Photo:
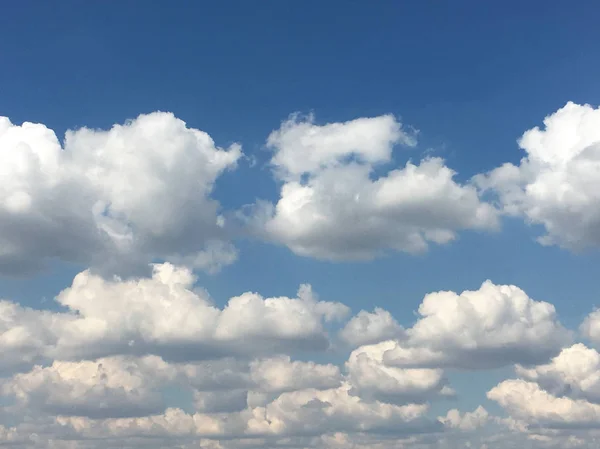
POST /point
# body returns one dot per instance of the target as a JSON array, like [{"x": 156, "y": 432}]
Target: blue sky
[{"x": 470, "y": 76}]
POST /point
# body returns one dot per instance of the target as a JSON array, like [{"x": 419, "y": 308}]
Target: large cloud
[
  {"x": 494, "y": 326},
  {"x": 575, "y": 372},
  {"x": 556, "y": 184},
  {"x": 112, "y": 387},
  {"x": 333, "y": 206},
  {"x": 529, "y": 402},
  {"x": 371, "y": 327},
  {"x": 371, "y": 378},
  {"x": 302, "y": 412},
  {"x": 115, "y": 199},
  {"x": 153, "y": 362},
  {"x": 163, "y": 315}
]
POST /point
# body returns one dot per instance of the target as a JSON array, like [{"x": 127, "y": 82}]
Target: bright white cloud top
[
  {"x": 115, "y": 199},
  {"x": 556, "y": 184},
  {"x": 148, "y": 359},
  {"x": 333, "y": 206}
]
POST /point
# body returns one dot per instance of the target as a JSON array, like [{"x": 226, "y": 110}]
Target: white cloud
[
  {"x": 115, "y": 199},
  {"x": 590, "y": 328},
  {"x": 25, "y": 335},
  {"x": 300, "y": 146},
  {"x": 371, "y": 327},
  {"x": 303, "y": 412},
  {"x": 333, "y": 206},
  {"x": 467, "y": 421},
  {"x": 162, "y": 336},
  {"x": 281, "y": 374},
  {"x": 575, "y": 373},
  {"x": 110, "y": 387},
  {"x": 529, "y": 402},
  {"x": 371, "y": 378},
  {"x": 494, "y": 326},
  {"x": 163, "y": 315},
  {"x": 556, "y": 184}
]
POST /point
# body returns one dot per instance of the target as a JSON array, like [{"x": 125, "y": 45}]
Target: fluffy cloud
[
  {"x": 529, "y": 402},
  {"x": 115, "y": 199},
  {"x": 575, "y": 372},
  {"x": 145, "y": 362},
  {"x": 466, "y": 421},
  {"x": 590, "y": 328},
  {"x": 556, "y": 184},
  {"x": 112, "y": 387},
  {"x": 164, "y": 315},
  {"x": 303, "y": 412},
  {"x": 491, "y": 327},
  {"x": 333, "y": 206},
  {"x": 25, "y": 335},
  {"x": 371, "y": 327},
  {"x": 371, "y": 378}
]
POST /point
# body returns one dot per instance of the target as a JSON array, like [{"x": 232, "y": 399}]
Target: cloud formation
[
  {"x": 149, "y": 359},
  {"x": 164, "y": 315},
  {"x": 556, "y": 183},
  {"x": 112, "y": 199},
  {"x": 109, "y": 362},
  {"x": 494, "y": 326},
  {"x": 334, "y": 206}
]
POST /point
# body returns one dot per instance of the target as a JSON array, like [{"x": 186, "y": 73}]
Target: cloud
[
  {"x": 371, "y": 378},
  {"x": 25, "y": 335},
  {"x": 281, "y": 374},
  {"x": 110, "y": 387},
  {"x": 494, "y": 326},
  {"x": 334, "y": 206},
  {"x": 371, "y": 327},
  {"x": 556, "y": 184},
  {"x": 575, "y": 373},
  {"x": 113, "y": 199},
  {"x": 467, "y": 421},
  {"x": 300, "y": 413},
  {"x": 529, "y": 402},
  {"x": 154, "y": 362},
  {"x": 164, "y": 315},
  {"x": 590, "y": 328}
]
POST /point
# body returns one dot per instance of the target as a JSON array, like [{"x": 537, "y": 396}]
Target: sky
[{"x": 336, "y": 224}]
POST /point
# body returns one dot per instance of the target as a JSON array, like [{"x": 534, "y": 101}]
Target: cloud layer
[
  {"x": 135, "y": 354},
  {"x": 144, "y": 361}
]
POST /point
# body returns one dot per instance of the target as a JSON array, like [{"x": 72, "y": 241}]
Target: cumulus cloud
[
  {"x": 302, "y": 412},
  {"x": 371, "y": 378},
  {"x": 164, "y": 315},
  {"x": 575, "y": 373},
  {"x": 114, "y": 364},
  {"x": 371, "y": 327},
  {"x": 111, "y": 387},
  {"x": 556, "y": 184},
  {"x": 466, "y": 421},
  {"x": 25, "y": 335},
  {"x": 334, "y": 206},
  {"x": 590, "y": 328},
  {"x": 527, "y": 401},
  {"x": 494, "y": 326},
  {"x": 114, "y": 199}
]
